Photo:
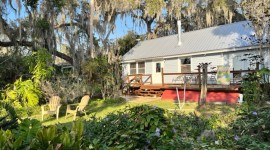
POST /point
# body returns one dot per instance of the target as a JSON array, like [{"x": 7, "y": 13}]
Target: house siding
[
  {"x": 148, "y": 70},
  {"x": 171, "y": 66},
  {"x": 125, "y": 69},
  {"x": 215, "y": 59},
  {"x": 148, "y": 67},
  {"x": 235, "y": 59}
]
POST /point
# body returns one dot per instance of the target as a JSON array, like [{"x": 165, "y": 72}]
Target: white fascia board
[
  {"x": 194, "y": 54},
  {"x": 213, "y": 52},
  {"x": 142, "y": 59},
  {"x": 128, "y": 61}
]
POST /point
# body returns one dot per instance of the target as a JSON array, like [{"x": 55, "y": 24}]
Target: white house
[{"x": 220, "y": 45}]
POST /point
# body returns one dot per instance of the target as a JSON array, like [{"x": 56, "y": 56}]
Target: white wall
[
  {"x": 148, "y": 67},
  {"x": 171, "y": 66},
  {"x": 235, "y": 60},
  {"x": 125, "y": 69},
  {"x": 215, "y": 59},
  {"x": 148, "y": 70}
]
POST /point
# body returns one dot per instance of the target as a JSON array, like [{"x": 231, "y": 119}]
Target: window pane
[
  {"x": 185, "y": 65},
  {"x": 132, "y": 68},
  {"x": 141, "y": 70},
  {"x": 132, "y": 65},
  {"x": 141, "y": 65},
  {"x": 133, "y": 71},
  {"x": 185, "y": 61},
  {"x": 185, "y": 69},
  {"x": 158, "y": 67}
]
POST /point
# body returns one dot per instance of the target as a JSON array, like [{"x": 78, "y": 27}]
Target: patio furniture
[
  {"x": 80, "y": 107},
  {"x": 54, "y": 106}
]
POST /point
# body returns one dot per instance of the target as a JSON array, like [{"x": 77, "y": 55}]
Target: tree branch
[
  {"x": 20, "y": 43},
  {"x": 30, "y": 44},
  {"x": 63, "y": 56},
  {"x": 66, "y": 25},
  {"x": 6, "y": 28}
]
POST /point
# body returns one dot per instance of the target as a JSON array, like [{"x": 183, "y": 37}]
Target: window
[
  {"x": 141, "y": 67},
  {"x": 185, "y": 65},
  {"x": 132, "y": 68},
  {"x": 158, "y": 67}
]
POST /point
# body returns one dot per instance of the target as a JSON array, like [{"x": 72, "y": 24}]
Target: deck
[{"x": 142, "y": 84}]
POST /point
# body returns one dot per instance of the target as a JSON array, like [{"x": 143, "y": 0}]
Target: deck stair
[{"x": 149, "y": 90}]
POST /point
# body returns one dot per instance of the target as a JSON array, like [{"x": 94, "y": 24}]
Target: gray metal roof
[{"x": 229, "y": 36}]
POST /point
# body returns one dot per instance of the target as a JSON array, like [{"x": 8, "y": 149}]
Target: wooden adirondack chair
[
  {"x": 54, "y": 106},
  {"x": 80, "y": 107}
]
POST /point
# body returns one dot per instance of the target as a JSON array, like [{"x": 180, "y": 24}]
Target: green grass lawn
[{"x": 100, "y": 109}]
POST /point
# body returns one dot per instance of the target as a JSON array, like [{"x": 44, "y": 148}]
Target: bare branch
[
  {"x": 20, "y": 43},
  {"x": 66, "y": 25}
]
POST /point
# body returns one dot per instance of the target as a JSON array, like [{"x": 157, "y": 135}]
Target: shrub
[
  {"x": 252, "y": 129},
  {"x": 135, "y": 128},
  {"x": 31, "y": 135},
  {"x": 256, "y": 88}
]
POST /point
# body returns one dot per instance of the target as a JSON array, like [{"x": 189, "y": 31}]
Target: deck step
[{"x": 149, "y": 92}]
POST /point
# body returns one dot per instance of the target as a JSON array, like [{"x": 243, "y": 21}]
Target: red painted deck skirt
[{"x": 228, "y": 97}]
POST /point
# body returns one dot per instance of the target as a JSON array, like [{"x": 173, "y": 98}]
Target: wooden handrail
[
  {"x": 179, "y": 73},
  {"x": 138, "y": 78},
  {"x": 198, "y": 79},
  {"x": 232, "y": 71}
]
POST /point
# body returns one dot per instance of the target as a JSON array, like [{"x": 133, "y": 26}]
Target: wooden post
[
  {"x": 199, "y": 76},
  {"x": 141, "y": 82},
  {"x": 162, "y": 76},
  {"x": 128, "y": 79},
  {"x": 151, "y": 79},
  {"x": 203, "y": 94},
  {"x": 234, "y": 75}
]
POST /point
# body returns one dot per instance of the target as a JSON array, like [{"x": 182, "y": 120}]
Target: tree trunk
[{"x": 91, "y": 17}]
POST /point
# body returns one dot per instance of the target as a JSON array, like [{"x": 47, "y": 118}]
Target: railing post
[
  {"x": 199, "y": 76},
  {"x": 141, "y": 79},
  {"x": 128, "y": 79},
  {"x": 162, "y": 76},
  {"x": 233, "y": 76},
  {"x": 151, "y": 79}
]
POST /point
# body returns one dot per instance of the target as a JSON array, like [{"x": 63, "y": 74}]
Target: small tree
[{"x": 100, "y": 75}]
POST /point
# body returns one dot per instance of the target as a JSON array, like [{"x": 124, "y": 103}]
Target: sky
[
  {"x": 125, "y": 25},
  {"x": 122, "y": 25}
]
